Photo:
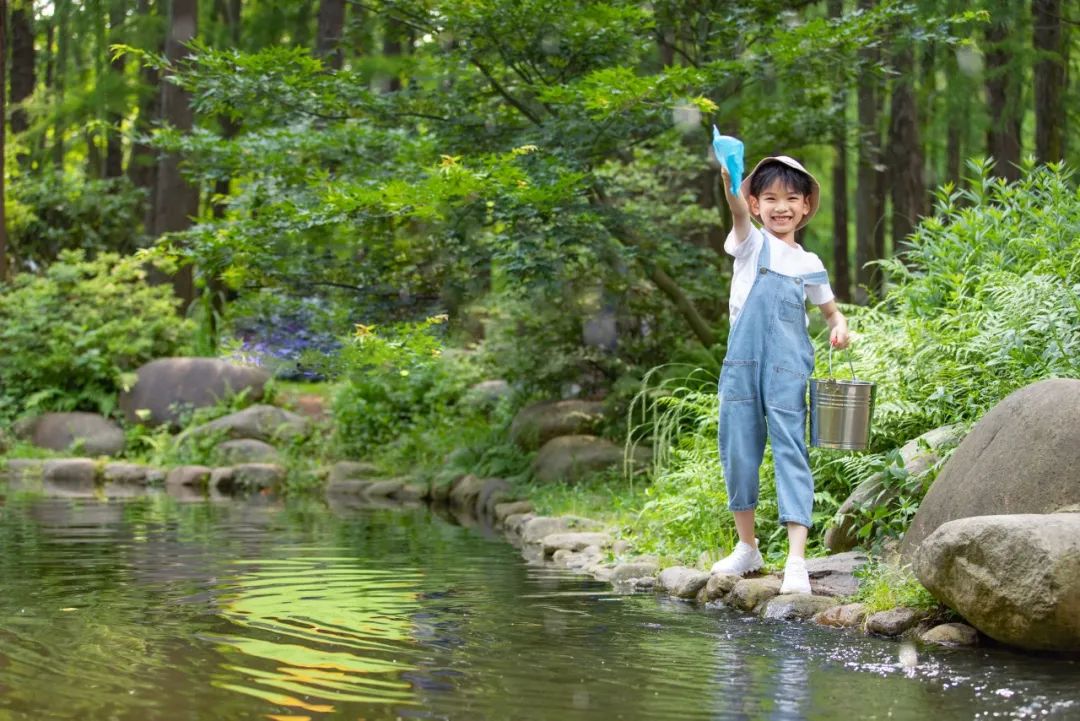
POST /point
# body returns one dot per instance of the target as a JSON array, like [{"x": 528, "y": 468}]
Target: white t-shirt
[{"x": 783, "y": 259}]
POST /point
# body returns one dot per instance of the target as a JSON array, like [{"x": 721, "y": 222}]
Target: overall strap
[
  {"x": 763, "y": 254},
  {"x": 818, "y": 278}
]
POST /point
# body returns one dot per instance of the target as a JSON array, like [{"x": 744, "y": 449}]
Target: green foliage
[
  {"x": 884, "y": 586},
  {"x": 73, "y": 336},
  {"x": 55, "y": 211},
  {"x": 390, "y": 379}
]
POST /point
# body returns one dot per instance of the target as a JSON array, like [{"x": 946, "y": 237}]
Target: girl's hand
[
  {"x": 839, "y": 337},
  {"x": 735, "y": 202}
]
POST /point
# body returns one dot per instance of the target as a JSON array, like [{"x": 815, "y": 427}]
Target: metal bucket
[{"x": 840, "y": 411}]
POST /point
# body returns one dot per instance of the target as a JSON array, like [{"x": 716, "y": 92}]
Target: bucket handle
[{"x": 850, "y": 364}]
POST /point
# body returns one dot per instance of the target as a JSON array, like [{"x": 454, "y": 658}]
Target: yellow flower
[
  {"x": 447, "y": 161},
  {"x": 363, "y": 331},
  {"x": 440, "y": 318}
]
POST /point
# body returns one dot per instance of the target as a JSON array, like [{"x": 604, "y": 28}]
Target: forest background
[{"x": 320, "y": 184}]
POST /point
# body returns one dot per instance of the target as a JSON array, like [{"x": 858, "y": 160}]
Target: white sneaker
[
  {"x": 743, "y": 559},
  {"x": 796, "y": 579}
]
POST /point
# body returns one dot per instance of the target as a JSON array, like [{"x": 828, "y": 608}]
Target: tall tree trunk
[
  {"x": 22, "y": 64},
  {"x": 905, "y": 150},
  {"x": 114, "y": 148},
  {"x": 1003, "y": 98},
  {"x": 3, "y": 139},
  {"x": 393, "y": 34},
  {"x": 869, "y": 200},
  {"x": 331, "y": 27},
  {"x": 142, "y": 166},
  {"x": 1050, "y": 86},
  {"x": 63, "y": 8},
  {"x": 177, "y": 201},
  {"x": 841, "y": 271}
]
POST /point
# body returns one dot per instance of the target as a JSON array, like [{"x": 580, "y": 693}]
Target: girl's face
[{"x": 781, "y": 209}]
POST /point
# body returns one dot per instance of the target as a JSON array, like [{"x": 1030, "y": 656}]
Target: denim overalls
[{"x": 763, "y": 388}]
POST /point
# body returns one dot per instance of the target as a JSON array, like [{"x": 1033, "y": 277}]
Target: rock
[
  {"x": 796, "y": 606},
  {"x": 23, "y": 473},
  {"x": 247, "y": 477},
  {"x": 487, "y": 393},
  {"x": 845, "y": 616},
  {"x": 620, "y": 547},
  {"x": 245, "y": 450},
  {"x": 167, "y": 387},
  {"x": 1021, "y": 457},
  {"x": 892, "y": 622},
  {"x": 465, "y": 491},
  {"x": 263, "y": 423},
  {"x": 574, "y": 541},
  {"x": 494, "y": 490},
  {"x": 69, "y": 475},
  {"x": 633, "y": 570},
  {"x": 1015, "y": 578},
  {"x": 440, "y": 492},
  {"x": 835, "y": 575},
  {"x": 505, "y": 510},
  {"x": 130, "y": 474},
  {"x": 515, "y": 522},
  {"x": 561, "y": 556},
  {"x": 951, "y": 634},
  {"x": 571, "y": 458},
  {"x": 917, "y": 457},
  {"x": 191, "y": 476},
  {"x": 535, "y": 529},
  {"x": 412, "y": 492},
  {"x": 748, "y": 593},
  {"x": 682, "y": 582},
  {"x": 355, "y": 487},
  {"x": 351, "y": 470},
  {"x": 536, "y": 424},
  {"x": 586, "y": 558},
  {"x": 719, "y": 585},
  {"x": 384, "y": 488},
  {"x": 92, "y": 434}
]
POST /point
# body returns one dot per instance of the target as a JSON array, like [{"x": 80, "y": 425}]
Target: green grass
[{"x": 883, "y": 586}]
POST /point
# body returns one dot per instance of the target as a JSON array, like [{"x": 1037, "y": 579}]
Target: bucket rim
[{"x": 842, "y": 382}]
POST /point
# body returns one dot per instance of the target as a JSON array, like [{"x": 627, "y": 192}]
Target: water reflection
[
  {"x": 152, "y": 609},
  {"x": 321, "y": 628}
]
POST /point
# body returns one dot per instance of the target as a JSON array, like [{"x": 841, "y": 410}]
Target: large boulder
[
  {"x": 571, "y": 458},
  {"x": 536, "y": 424},
  {"x": 916, "y": 457},
  {"x": 245, "y": 450},
  {"x": 1021, "y": 457},
  {"x": 261, "y": 422},
  {"x": 92, "y": 434},
  {"x": 166, "y": 387},
  {"x": 1015, "y": 578}
]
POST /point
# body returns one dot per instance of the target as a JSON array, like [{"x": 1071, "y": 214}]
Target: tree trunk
[
  {"x": 841, "y": 272},
  {"x": 59, "y": 72},
  {"x": 177, "y": 201},
  {"x": 142, "y": 166},
  {"x": 3, "y": 139},
  {"x": 868, "y": 196},
  {"x": 1050, "y": 86},
  {"x": 905, "y": 151},
  {"x": 22, "y": 65},
  {"x": 114, "y": 149},
  {"x": 393, "y": 32},
  {"x": 331, "y": 27},
  {"x": 1003, "y": 100}
]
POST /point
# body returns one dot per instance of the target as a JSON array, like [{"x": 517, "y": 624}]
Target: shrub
[{"x": 73, "y": 335}]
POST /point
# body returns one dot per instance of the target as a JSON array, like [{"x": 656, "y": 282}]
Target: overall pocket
[
  {"x": 785, "y": 389},
  {"x": 791, "y": 312},
  {"x": 738, "y": 381}
]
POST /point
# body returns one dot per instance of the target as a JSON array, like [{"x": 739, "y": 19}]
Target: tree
[
  {"x": 331, "y": 26},
  {"x": 905, "y": 149},
  {"x": 1003, "y": 91},
  {"x": 177, "y": 201},
  {"x": 3, "y": 140},
  {"x": 841, "y": 273},
  {"x": 22, "y": 63},
  {"x": 869, "y": 200},
  {"x": 1050, "y": 83}
]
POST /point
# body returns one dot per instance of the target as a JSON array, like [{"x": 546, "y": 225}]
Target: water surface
[{"x": 255, "y": 609}]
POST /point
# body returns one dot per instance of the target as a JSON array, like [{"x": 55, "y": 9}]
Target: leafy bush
[
  {"x": 72, "y": 336},
  {"x": 392, "y": 379},
  {"x": 985, "y": 299},
  {"x": 54, "y": 211}
]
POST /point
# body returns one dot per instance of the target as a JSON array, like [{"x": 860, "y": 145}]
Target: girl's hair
[{"x": 788, "y": 177}]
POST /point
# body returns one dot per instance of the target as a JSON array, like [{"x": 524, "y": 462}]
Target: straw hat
[{"x": 815, "y": 188}]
